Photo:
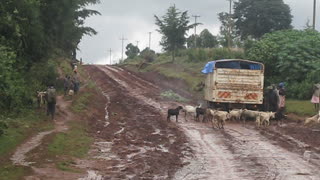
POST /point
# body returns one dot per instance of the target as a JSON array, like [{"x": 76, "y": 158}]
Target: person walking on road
[
  {"x": 76, "y": 83},
  {"x": 51, "y": 99},
  {"x": 66, "y": 84}
]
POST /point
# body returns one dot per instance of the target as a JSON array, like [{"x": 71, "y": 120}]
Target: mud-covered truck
[{"x": 234, "y": 83}]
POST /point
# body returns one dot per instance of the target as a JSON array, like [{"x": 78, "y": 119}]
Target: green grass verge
[
  {"x": 10, "y": 172},
  {"x": 80, "y": 104},
  {"x": 20, "y": 128},
  {"x": 67, "y": 166},
  {"x": 300, "y": 107},
  {"x": 74, "y": 143},
  {"x": 173, "y": 96}
]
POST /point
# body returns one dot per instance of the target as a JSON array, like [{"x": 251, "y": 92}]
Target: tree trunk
[{"x": 173, "y": 55}]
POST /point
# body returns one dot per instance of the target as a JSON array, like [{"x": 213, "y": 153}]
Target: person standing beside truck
[
  {"x": 316, "y": 96},
  {"x": 282, "y": 100}
]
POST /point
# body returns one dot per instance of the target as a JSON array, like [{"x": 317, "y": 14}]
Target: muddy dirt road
[{"x": 146, "y": 147}]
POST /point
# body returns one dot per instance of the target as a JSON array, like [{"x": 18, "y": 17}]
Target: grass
[
  {"x": 173, "y": 96},
  {"x": 300, "y": 107},
  {"x": 67, "y": 166},
  {"x": 75, "y": 142},
  {"x": 80, "y": 104},
  {"x": 20, "y": 128},
  {"x": 11, "y": 172}
]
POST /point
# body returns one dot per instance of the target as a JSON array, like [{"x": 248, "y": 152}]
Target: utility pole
[
  {"x": 110, "y": 51},
  {"x": 122, "y": 39},
  {"x": 150, "y": 40},
  {"x": 314, "y": 14},
  {"x": 195, "y": 30},
  {"x": 137, "y": 43},
  {"x": 230, "y": 25}
]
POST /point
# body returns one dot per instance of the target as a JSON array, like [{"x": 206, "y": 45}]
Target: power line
[
  {"x": 122, "y": 39},
  {"x": 314, "y": 14},
  {"x": 195, "y": 30},
  {"x": 110, "y": 51},
  {"x": 229, "y": 24}
]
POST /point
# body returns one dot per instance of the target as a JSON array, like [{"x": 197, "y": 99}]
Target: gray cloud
[{"x": 135, "y": 18}]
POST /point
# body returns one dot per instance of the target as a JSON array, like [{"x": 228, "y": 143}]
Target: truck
[{"x": 234, "y": 83}]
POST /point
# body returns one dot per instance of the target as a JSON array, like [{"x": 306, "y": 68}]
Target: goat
[
  {"x": 189, "y": 110},
  {"x": 315, "y": 119},
  {"x": 264, "y": 118},
  {"x": 200, "y": 111},
  {"x": 235, "y": 114},
  {"x": 219, "y": 118},
  {"x": 249, "y": 114},
  {"x": 41, "y": 98},
  {"x": 174, "y": 112}
]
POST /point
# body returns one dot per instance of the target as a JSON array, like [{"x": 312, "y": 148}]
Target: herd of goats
[{"x": 218, "y": 117}]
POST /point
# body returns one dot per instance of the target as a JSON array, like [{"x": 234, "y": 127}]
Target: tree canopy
[
  {"x": 31, "y": 31},
  {"x": 256, "y": 17},
  {"x": 173, "y": 26},
  {"x": 291, "y": 56},
  {"x": 132, "y": 50},
  {"x": 204, "y": 40}
]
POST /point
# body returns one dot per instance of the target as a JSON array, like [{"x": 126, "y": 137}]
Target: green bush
[{"x": 291, "y": 56}]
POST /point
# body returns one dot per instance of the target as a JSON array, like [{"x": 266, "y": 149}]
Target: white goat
[
  {"x": 219, "y": 118},
  {"x": 314, "y": 119},
  {"x": 235, "y": 114},
  {"x": 41, "y": 98},
  {"x": 264, "y": 118},
  {"x": 191, "y": 110},
  {"x": 249, "y": 114}
]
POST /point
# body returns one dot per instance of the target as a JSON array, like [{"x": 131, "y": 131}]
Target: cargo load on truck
[{"x": 234, "y": 82}]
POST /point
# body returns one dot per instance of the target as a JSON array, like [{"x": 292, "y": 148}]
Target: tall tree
[
  {"x": 207, "y": 39},
  {"x": 132, "y": 50},
  {"x": 64, "y": 22},
  {"x": 224, "y": 36},
  {"x": 191, "y": 39},
  {"x": 173, "y": 26},
  {"x": 257, "y": 17}
]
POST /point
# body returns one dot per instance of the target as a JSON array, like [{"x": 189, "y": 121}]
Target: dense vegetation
[
  {"x": 31, "y": 33},
  {"x": 290, "y": 56}
]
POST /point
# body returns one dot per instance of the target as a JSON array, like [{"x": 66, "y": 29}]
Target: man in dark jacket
[{"x": 51, "y": 99}]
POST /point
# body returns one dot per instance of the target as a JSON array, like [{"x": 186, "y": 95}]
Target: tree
[
  {"x": 227, "y": 23},
  {"x": 257, "y": 17},
  {"x": 173, "y": 26},
  {"x": 148, "y": 54},
  {"x": 132, "y": 51},
  {"x": 291, "y": 56},
  {"x": 207, "y": 40},
  {"x": 190, "y": 41}
]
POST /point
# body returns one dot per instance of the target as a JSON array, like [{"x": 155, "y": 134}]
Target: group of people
[
  {"x": 315, "y": 96},
  {"x": 275, "y": 100},
  {"x": 71, "y": 84}
]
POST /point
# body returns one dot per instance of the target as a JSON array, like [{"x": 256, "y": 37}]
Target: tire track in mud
[
  {"x": 266, "y": 160},
  {"x": 136, "y": 143},
  {"x": 235, "y": 153}
]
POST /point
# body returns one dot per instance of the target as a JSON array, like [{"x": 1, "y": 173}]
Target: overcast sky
[{"x": 133, "y": 19}]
